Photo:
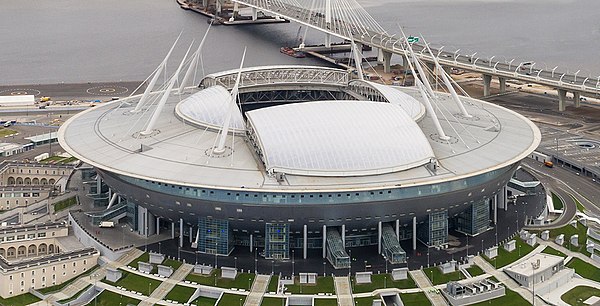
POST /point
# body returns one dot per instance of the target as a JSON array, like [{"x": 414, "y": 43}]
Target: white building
[{"x": 536, "y": 269}]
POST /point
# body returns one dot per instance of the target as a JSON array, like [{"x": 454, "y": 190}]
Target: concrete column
[
  {"x": 398, "y": 229},
  {"x": 110, "y": 193},
  {"x": 562, "y": 97},
  {"x": 254, "y": 13},
  {"x": 505, "y": 195},
  {"x": 487, "y": 84},
  {"x": 251, "y": 244},
  {"x": 379, "y": 237},
  {"x": 119, "y": 200},
  {"x": 387, "y": 59},
  {"x": 305, "y": 244},
  {"x": 577, "y": 98},
  {"x": 204, "y": 3},
  {"x": 157, "y": 225},
  {"x": 324, "y": 241},
  {"x": 431, "y": 74},
  {"x": 344, "y": 236},
  {"x": 98, "y": 184},
  {"x": 502, "y": 85},
  {"x": 191, "y": 234},
  {"x": 414, "y": 233},
  {"x": 172, "y": 229},
  {"x": 180, "y": 233}
]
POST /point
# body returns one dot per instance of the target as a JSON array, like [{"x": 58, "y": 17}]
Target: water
[{"x": 71, "y": 41}]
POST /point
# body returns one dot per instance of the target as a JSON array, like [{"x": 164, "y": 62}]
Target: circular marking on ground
[
  {"x": 463, "y": 117},
  {"x": 435, "y": 137},
  {"x": 107, "y": 90},
  {"x": 139, "y": 135},
  {"x": 20, "y": 92},
  {"x": 210, "y": 152}
]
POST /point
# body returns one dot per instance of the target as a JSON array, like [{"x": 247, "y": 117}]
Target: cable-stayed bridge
[{"x": 346, "y": 19}]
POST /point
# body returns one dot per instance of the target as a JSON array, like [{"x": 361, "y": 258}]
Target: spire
[
  {"x": 220, "y": 149},
  {"x": 165, "y": 96},
  {"x": 157, "y": 73},
  {"x": 193, "y": 63}
]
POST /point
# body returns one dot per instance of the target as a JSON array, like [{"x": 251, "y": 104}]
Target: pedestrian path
[
  {"x": 343, "y": 291},
  {"x": 423, "y": 282},
  {"x": 259, "y": 287},
  {"x": 167, "y": 285}
]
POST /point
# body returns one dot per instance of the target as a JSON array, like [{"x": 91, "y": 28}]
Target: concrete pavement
[
  {"x": 259, "y": 287},
  {"x": 343, "y": 291},
  {"x": 423, "y": 282},
  {"x": 167, "y": 285}
]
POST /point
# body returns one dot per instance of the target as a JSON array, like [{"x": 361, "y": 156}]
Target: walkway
[
  {"x": 167, "y": 285},
  {"x": 259, "y": 287},
  {"x": 507, "y": 281},
  {"x": 423, "y": 282},
  {"x": 343, "y": 291}
]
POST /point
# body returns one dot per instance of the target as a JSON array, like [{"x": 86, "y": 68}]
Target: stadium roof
[
  {"x": 208, "y": 109},
  {"x": 332, "y": 138}
]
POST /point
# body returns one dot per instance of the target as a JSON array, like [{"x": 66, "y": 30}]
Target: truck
[
  {"x": 107, "y": 224},
  {"x": 548, "y": 164},
  {"x": 41, "y": 157}
]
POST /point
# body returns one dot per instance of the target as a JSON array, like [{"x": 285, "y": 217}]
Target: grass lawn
[
  {"x": 108, "y": 298},
  {"x": 23, "y": 299},
  {"x": 204, "y": 301},
  {"x": 556, "y": 202},
  {"x": 55, "y": 159},
  {"x": 134, "y": 282},
  {"x": 579, "y": 205},
  {"x": 415, "y": 299},
  {"x": 143, "y": 258},
  {"x": 553, "y": 251},
  {"x": 325, "y": 302},
  {"x": 437, "y": 277},
  {"x": 172, "y": 263},
  {"x": 379, "y": 281},
  {"x": 568, "y": 231},
  {"x": 324, "y": 285},
  {"x": 75, "y": 296},
  {"x": 366, "y": 301},
  {"x": 475, "y": 270},
  {"x": 511, "y": 298},
  {"x": 504, "y": 257},
  {"x": 64, "y": 204},
  {"x": 271, "y": 301},
  {"x": 242, "y": 281},
  {"x": 273, "y": 284},
  {"x": 6, "y": 132},
  {"x": 180, "y": 294},
  {"x": 585, "y": 269},
  {"x": 69, "y": 160},
  {"x": 232, "y": 300},
  {"x": 577, "y": 295},
  {"x": 63, "y": 285}
]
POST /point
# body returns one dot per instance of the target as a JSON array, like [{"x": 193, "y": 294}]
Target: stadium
[{"x": 285, "y": 158}]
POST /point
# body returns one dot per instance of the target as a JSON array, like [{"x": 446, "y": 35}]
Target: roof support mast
[
  {"x": 419, "y": 84},
  {"x": 220, "y": 148},
  {"x": 157, "y": 73},
  {"x": 163, "y": 100},
  {"x": 357, "y": 59},
  {"x": 447, "y": 82},
  {"x": 194, "y": 62}
]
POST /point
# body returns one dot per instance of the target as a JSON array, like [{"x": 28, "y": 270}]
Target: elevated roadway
[{"x": 347, "y": 21}]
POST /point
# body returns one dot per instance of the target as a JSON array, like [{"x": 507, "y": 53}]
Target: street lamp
[
  {"x": 365, "y": 266},
  {"x": 490, "y": 61},
  {"x": 235, "y": 262},
  {"x": 575, "y": 79},
  {"x": 531, "y": 68},
  {"x": 440, "y": 51},
  {"x": 510, "y": 63},
  {"x": 292, "y": 263},
  {"x": 323, "y": 269},
  {"x": 553, "y": 71},
  {"x": 149, "y": 284},
  {"x": 456, "y": 55}
]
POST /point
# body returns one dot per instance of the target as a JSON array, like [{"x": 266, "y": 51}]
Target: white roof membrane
[
  {"x": 339, "y": 138},
  {"x": 209, "y": 107}
]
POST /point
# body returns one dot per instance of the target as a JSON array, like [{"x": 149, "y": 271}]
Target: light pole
[
  {"x": 159, "y": 248},
  {"x": 482, "y": 245},
  {"x": 575, "y": 79},
  {"x": 255, "y": 262},
  {"x": 365, "y": 266},
  {"x": 427, "y": 258},
  {"x": 510, "y": 63},
  {"x": 553, "y": 69},
  {"x": 293, "y": 263},
  {"x": 531, "y": 68},
  {"x": 456, "y": 55},
  {"x": 149, "y": 284},
  {"x": 533, "y": 283},
  {"x": 235, "y": 263},
  {"x": 323, "y": 269},
  {"x": 490, "y": 61}
]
